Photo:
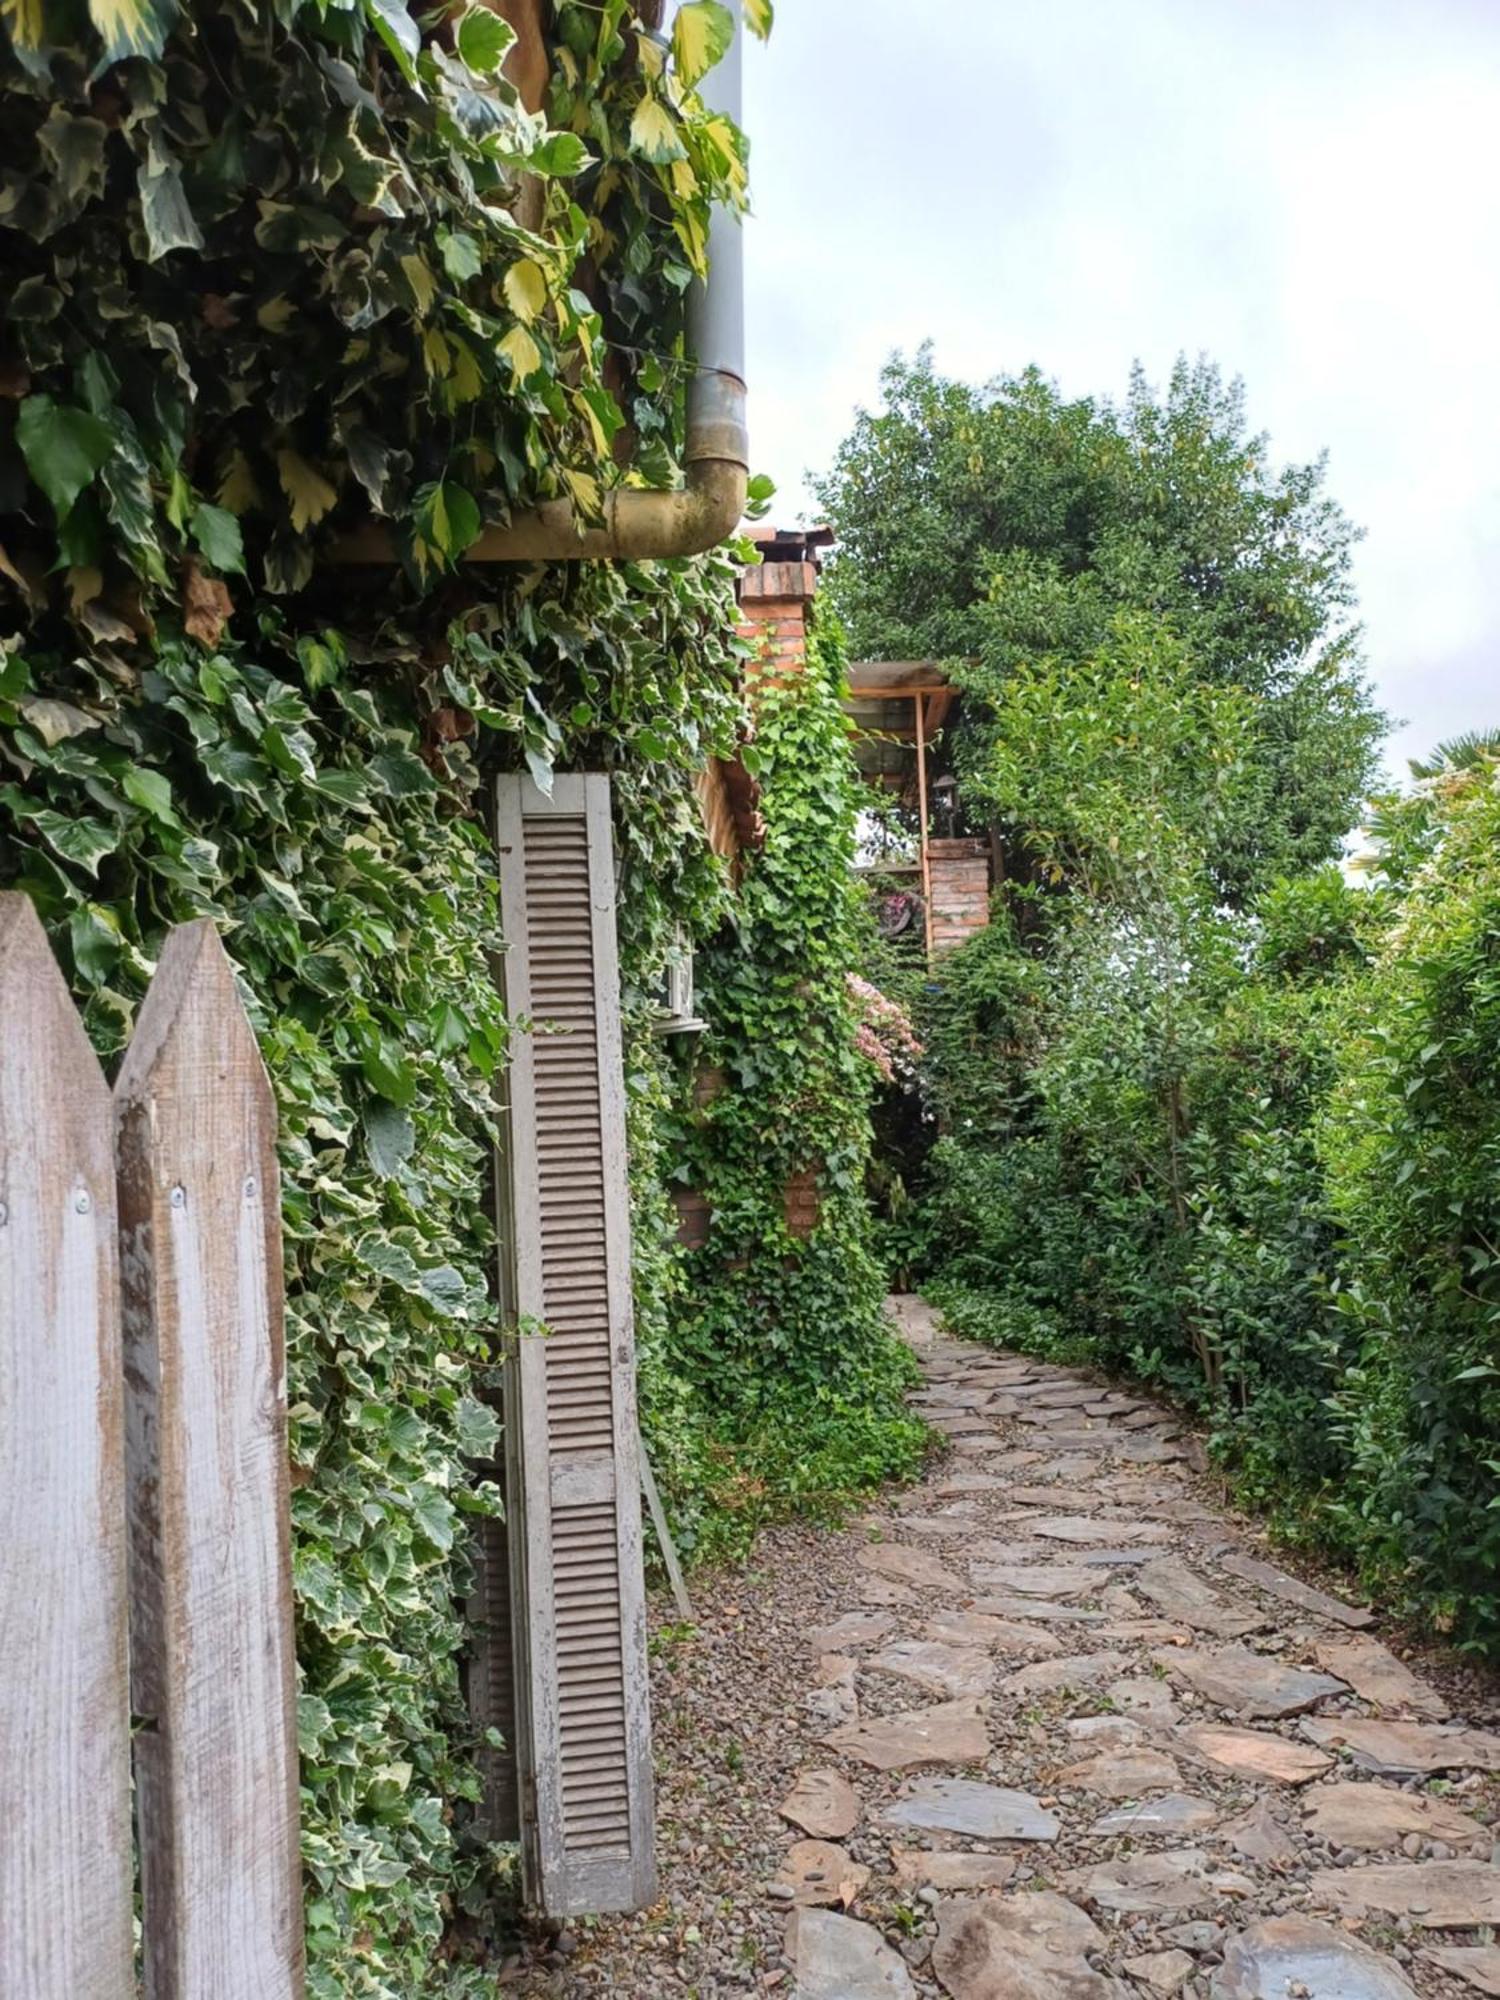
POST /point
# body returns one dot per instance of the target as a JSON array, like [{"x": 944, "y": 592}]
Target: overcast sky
[{"x": 1306, "y": 190}]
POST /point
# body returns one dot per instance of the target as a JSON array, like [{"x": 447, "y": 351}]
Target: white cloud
[{"x": 1307, "y": 193}]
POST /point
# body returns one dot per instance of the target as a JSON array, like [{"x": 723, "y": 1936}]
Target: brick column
[{"x": 774, "y": 603}]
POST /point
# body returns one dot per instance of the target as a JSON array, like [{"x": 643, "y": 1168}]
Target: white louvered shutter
[{"x": 583, "y": 1737}]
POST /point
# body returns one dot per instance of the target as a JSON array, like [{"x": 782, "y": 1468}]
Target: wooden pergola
[{"x": 893, "y": 704}]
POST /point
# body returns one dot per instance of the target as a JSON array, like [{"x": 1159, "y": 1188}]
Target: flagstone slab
[
  {"x": 1161, "y": 1971},
  {"x": 1000, "y": 1635},
  {"x": 1050, "y": 1496},
  {"x": 1378, "y": 1677},
  {"x": 1375, "y": 1816},
  {"x": 1249, "y": 1683},
  {"x": 1149, "y": 1450},
  {"x": 855, "y": 1628},
  {"x": 1478, "y": 1965},
  {"x": 819, "y": 1874},
  {"x": 838, "y": 1958},
  {"x": 1257, "y": 1835},
  {"x": 1292, "y": 1590},
  {"x": 1122, "y": 1775},
  {"x": 1144, "y": 1631},
  {"x": 1085, "y": 1528},
  {"x": 969, "y": 1482},
  {"x": 964, "y": 1805},
  {"x": 1039, "y": 1580},
  {"x": 950, "y": 1670},
  {"x": 1039, "y": 1608},
  {"x": 1184, "y": 1597},
  {"x": 933, "y": 1527},
  {"x": 951, "y": 1732},
  {"x": 1177, "y": 1812},
  {"x": 1149, "y": 1885},
  {"x": 987, "y": 1549},
  {"x": 1436, "y": 1895},
  {"x": 896, "y": 1562},
  {"x": 1255, "y": 1753},
  {"x": 1068, "y": 1670},
  {"x": 882, "y": 1590},
  {"x": 1107, "y": 1732},
  {"x": 915, "y": 1867},
  {"x": 1297, "y": 1955},
  {"x": 822, "y": 1803},
  {"x": 1407, "y": 1749},
  {"x": 1020, "y": 1947},
  {"x": 1146, "y": 1697}
]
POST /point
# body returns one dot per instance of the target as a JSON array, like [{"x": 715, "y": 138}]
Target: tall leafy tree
[{"x": 1001, "y": 525}]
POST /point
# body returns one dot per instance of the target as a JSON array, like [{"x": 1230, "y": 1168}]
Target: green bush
[{"x": 1411, "y": 1147}]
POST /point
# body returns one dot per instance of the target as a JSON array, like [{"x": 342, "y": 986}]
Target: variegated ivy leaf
[
  {"x": 484, "y": 40},
  {"x": 170, "y": 223},
  {"x": 398, "y": 31},
  {"x": 447, "y": 517},
  {"x": 132, "y": 27},
  {"x": 760, "y": 14},
  {"x": 701, "y": 36},
  {"x": 525, "y": 289},
  {"x": 309, "y": 492},
  {"x": 653, "y": 134}
]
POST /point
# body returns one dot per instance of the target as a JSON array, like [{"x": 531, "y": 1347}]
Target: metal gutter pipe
[{"x": 708, "y": 507}]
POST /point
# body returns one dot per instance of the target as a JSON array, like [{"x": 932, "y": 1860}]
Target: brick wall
[{"x": 960, "y": 875}]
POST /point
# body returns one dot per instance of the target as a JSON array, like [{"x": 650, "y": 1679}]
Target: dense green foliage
[
  {"x": 998, "y": 527},
  {"x": 270, "y": 274},
  {"x": 1206, "y": 1112},
  {"x": 1411, "y": 1146},
  {"x": 781, "y": 1335},
  {"x": 280, "y": 791},
  {"x": 273, "y": 270}
]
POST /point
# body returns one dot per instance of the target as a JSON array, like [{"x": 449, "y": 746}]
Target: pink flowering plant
[{"x": 883, "y": 1033}]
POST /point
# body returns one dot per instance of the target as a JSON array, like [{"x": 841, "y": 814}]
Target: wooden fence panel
[
  {"x": 65, "y": 1875},
  {"x": 211, "y": 1627}
]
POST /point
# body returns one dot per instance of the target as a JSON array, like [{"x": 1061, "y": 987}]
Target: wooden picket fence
[{"x": 143, "y": 1496}]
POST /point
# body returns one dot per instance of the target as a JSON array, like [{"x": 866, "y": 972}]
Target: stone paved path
[{"x": 1052, "y": 1727}]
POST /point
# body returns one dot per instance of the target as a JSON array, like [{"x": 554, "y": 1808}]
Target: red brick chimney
[{"x": 776, "y": 597}]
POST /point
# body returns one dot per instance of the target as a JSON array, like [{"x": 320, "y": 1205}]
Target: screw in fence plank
[
  {"x": 211, "y": 1619},
  {"x": 64, "y": 1706}
]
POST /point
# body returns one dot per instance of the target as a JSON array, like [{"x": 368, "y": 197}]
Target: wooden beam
[{"x": 920, "y": 701}]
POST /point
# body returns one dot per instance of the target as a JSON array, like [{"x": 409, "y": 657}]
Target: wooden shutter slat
[{"x": 578, "y": 1620}]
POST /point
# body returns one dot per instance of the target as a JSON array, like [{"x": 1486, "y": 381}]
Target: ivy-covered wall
[
  {"x": 792, "y": 1377},
  {"x": 266, "y": 278},
  {"x": 278, "y": 788}
]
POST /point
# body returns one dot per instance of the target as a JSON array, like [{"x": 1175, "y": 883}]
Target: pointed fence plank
[
  {"x": 211, "y": 1623},
  {"x": 65, "y": 1874},
  {"x": 579, "y": 1621}
]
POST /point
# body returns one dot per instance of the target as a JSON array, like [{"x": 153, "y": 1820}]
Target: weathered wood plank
[
  {"x": 211, "y": 1624},
  {"x": 64, "y": 1708}
]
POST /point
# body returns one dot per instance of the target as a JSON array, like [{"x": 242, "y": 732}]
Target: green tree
[{"x": 993, "y": 526}]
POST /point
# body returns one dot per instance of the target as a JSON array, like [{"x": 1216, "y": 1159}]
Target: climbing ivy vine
[
  {"x": 273, "y": 275},
  {"x": 780, "y": 1330}
]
